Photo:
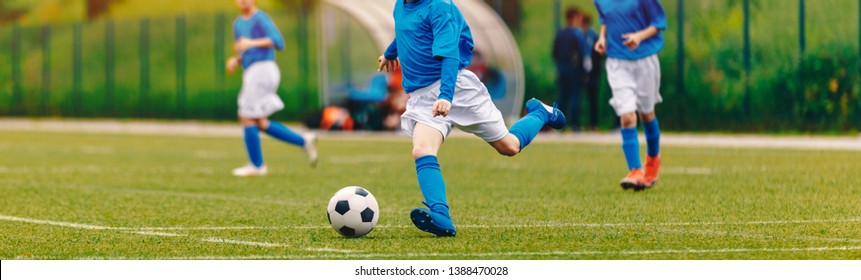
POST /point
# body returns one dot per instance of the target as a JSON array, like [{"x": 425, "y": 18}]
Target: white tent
[{"x": 355, "y": 32}]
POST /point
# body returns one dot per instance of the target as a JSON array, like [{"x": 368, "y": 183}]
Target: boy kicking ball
[
  {"x": 433, "y": 44},
  {"x": 255, "y": 40},
  {"x": 631, "y": 37}
]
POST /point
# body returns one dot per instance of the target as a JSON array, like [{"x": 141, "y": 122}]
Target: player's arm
[
  {"x": 446, "y": 50},
  {"x": 389, "y": 60},
  {"x": 601, "y": 43},
  {"x": 234, "y": 61},
  {"x": 657, "y": 22}
]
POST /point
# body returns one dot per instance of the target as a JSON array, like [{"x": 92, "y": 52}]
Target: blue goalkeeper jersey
[
  {"x": 259, "y": 25},
  {"x": 629, "y": 16},
  {"x": 426, "y": 32}
]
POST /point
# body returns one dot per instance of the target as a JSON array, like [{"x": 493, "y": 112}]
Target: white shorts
[
  {"x": 258, "y": 97},
  {"x": 635, "y": 83},
  {"x": 472, "y": 110}
]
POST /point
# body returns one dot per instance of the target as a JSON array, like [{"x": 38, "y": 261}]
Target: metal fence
[
  {"x": 752, "y": 65},
  {"x": 149, "y": 68},
  {"x": 734, "y": 65}
]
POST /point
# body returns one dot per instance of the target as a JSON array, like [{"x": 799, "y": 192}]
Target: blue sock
[
  {"x": 528, "y": 127},
  {"x": 631, "y": 147},
  {"x": 432, "y": 184},
  {"x": 653, "y": 138},
  {"x": 281, "y": 132},
  {"x": 252, "y": 145}
]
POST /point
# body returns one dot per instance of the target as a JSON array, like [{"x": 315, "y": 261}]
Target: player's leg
[
  {"x": 524, "y": 130},
  {"x": 252, "y": 146},
  {"x": 281, "y": 132},
  {"x": 436, "y": 218},
  {"x": 631, "y": 149},
  {"x": 653, "y": 141},
  {"x": 480, "y": 116},
  {"x": 624, "y": 102},
  {"x": 650, "y": 85}
]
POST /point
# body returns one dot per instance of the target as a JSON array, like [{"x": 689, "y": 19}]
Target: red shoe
[
  {"x": 635, "y": 180},
  {"x": 653, "y": 164}
]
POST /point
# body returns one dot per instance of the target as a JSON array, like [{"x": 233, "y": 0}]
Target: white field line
[
  {"x": 204, "y": 129},
  {"x": 156, "y": 233},
  {"x": 354, "y": 254},
  {"x": 241, "y": 242},
  {"x": 516, "y": 254},
  {"x": 758, "y": 236},
  {"x": 53, "y": 223},
  {"x": 547, "y": 225},
  {"x": 493, "y": 254}
]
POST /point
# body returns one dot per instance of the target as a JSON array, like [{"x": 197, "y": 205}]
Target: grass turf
[{"x": 554, "y": 201}]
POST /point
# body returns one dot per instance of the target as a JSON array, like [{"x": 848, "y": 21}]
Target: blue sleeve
[
  {"x": 235, "y": 30},
  {"x": 392, "y": 51},
  {"x": 445, "y": 35},
  {"x": 600, "y": 14},
  {"x": 450, "y": 67},
  {"x": 655, "y": 14},
  {"x": 272, "y": 32}
]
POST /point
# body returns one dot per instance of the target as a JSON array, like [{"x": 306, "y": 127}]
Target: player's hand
[
  {"x": 441, "y": 107},
  {"x": 632, "y": 40},
  {"x": 601, "y": 46},
  {"x": 232, "y": 64},
  {"x": 242, "y": 45},
  {"x": 387, "y": 65}
]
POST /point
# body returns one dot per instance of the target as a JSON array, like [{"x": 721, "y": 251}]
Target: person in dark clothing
[
  {"x": 568, "y": 56},
  {"x": 592, "y": 63}
]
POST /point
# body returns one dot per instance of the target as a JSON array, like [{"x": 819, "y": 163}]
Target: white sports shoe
[
  {"x": 311, "y": 148},
  {"x": 250, "y": 170}
]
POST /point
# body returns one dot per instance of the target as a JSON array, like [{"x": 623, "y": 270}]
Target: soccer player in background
[
  {"x": 568, "y": 56},
  {"x": 592, "y": 66},
  {"x": 433, "y": 45},
  {"x": 631, "y": 37},
  {"x": 255, "y": 40}
]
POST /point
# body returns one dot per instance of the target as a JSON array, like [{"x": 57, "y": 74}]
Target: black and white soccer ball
[{"x": 353, "y": 211}]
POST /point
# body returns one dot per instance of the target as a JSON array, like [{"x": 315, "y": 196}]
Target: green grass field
[{"x": 118, "y": 196}]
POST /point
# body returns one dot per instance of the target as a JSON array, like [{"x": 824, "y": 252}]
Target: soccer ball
[{"x": 353, "y": 211}]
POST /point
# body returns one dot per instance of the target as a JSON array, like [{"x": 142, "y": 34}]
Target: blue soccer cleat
[
  {"x": 555, "y": 119},
  {"x": 437, "y": 223}
]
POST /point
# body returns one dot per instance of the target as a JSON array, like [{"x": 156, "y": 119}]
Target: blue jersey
[
  {"x": 426, "y": 33},
  {"x": 259, "y": 25},
  {"x": 629, "y": 16},
  {"x": 568, "y": 48}
]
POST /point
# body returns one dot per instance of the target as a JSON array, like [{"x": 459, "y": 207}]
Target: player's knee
[
  {"x": 508, "y": 149},
  {"x": 628, "y": 120},
  {"x": 246, "y": 122},
  {"x": 647, "y": 117},
  {"x": 262, "y": 123},
  {"x": 420, "y": 150}
]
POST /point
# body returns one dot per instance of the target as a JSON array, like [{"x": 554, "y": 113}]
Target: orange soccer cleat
[
  {"x": 653, "y": 164},
  {"x": 635, "y": 180}
]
